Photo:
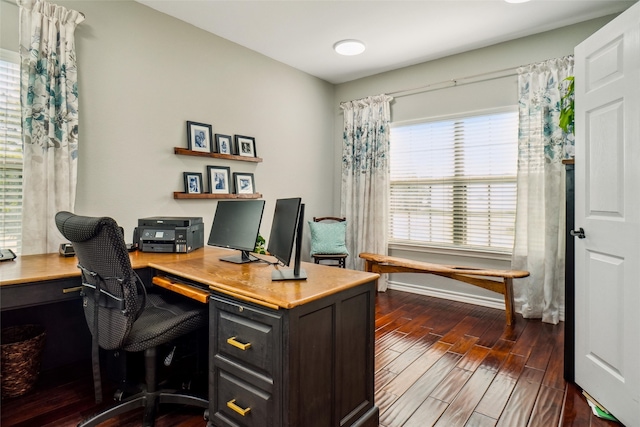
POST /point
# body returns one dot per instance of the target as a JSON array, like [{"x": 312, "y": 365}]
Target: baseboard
[
  {"x": 456, "y": 296},
  {"x": 444, "y": 294}
]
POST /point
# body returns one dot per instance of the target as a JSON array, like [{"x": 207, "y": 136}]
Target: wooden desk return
[{"x": 473, "y": 276}]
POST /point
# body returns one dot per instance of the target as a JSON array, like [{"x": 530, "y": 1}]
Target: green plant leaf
[{"x": 567, "y": 103}]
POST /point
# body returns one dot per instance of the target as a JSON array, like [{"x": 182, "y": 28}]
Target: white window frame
[
  {"x": 10, "y": 125},
  {"x": 446, "y": 249}
]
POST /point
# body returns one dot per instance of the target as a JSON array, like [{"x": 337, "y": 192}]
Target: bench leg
[{"x": 508, "y": 300}]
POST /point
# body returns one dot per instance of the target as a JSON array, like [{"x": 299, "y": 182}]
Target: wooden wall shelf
[
  {"x": 186, "y": 152},
  {"x": 181, "y": 195}
]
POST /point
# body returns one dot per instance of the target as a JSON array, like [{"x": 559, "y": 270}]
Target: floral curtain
[
  {"x": 365, "y": 177},
  {"x": 49, "y": 100},
  {"x": 540, "y": 212}
]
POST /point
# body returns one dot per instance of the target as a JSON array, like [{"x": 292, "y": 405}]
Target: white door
[{"x": 607, "y": 167}]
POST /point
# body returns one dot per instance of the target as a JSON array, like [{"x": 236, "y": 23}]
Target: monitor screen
[
  {"x": 286, "y": 230},
  {"x": 236, "y": 225},
  {"x": 283, "y": 229}
]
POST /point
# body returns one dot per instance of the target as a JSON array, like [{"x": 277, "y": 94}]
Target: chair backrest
[
  {"x": 328, "y": 218},
  {"x": 105, "y": 265},
  {"x": 328, "y": 236}
]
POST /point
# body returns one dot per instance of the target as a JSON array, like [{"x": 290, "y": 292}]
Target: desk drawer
[
  {"x": 248, "y": 336},
  {"x": 238, "y": 403},
  {"x": 37, "y": 293}
]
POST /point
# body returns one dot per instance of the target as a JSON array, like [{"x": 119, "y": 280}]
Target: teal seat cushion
[{"x": 328, "y": 238}]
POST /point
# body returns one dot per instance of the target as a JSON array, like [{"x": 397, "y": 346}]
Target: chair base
[
  {"x": 149, "y": 398},
  {"x": 150, "y": 402}
]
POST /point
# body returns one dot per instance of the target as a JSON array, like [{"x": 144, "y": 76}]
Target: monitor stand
[
  {"x": 241, "y": 258},
  {"x": 288, "y": 274}
]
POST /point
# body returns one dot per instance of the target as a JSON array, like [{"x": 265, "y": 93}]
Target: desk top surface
[
  {"x": 251, "y": 282},
  {"x": 42, "y": 267}
]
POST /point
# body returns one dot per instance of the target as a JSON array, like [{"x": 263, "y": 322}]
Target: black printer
[{"x": 170, "y": 234}]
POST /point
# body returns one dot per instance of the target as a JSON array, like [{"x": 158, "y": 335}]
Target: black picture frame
[
  {"x": 219, "y": 179},
  {"x": 192, "y": 182},
  {"x": 245, "y": 146},
  {"x": 244, "y": 183},
  {"x": 224, "y": 144},
  {"x": 200, "y": 137}
]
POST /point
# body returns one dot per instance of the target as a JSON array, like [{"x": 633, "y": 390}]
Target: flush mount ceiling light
[
  {"x": 516, "y": 1},
  {"x": 349, "y": 47}
]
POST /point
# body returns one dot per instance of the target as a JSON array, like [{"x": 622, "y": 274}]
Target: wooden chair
[{"x": 339, "y": 258}]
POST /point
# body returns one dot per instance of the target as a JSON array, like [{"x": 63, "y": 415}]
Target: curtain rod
[
  {"x": 14, "y": 3},
  {"x": 475, "y": 78}
]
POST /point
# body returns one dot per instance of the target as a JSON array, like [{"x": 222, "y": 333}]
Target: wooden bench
[{"x": 375, "y": 263}]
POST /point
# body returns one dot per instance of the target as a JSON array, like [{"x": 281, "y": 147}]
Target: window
[
  {"x": 453, "y": 183},
  {"x": 10, "y": 153}
]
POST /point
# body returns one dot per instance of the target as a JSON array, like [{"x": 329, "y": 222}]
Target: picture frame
[
  {"x": 244, "y": 183},
  {"x": 219, "y": 179},
  {"x": 192, "y": 182},
  {"x": 245, "y": 146},
  {"x": 224, "y": 144},
  {"x": 199, "y": 137}
]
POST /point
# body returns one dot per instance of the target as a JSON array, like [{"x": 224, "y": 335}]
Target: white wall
[
  {"x": 143, "y": 74},
  {"x": 495, "y": 93}
]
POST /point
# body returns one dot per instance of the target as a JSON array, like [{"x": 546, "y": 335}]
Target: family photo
[
  {"x": 244, "y": 183},
  {"x": 199, "y": 137},
  {"x": 218, "y": 178}
]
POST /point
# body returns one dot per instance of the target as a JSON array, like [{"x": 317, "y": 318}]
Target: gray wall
[
  {"x": 143, "y": 74},
  {"x": 494, "y": 93}
]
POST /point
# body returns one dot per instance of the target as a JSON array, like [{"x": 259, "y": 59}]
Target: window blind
[
  {"x": 453, "y": 182},
  {"x": 10, "y": 153}
]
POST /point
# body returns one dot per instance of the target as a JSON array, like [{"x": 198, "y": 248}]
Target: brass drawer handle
[
  {"x": 69, "y": 290},
  {"x": 232, "y": 405},
  {"x": 238, "y": 344}
]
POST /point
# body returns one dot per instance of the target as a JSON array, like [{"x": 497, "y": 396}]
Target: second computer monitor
[{"x": 286, "y": 231}]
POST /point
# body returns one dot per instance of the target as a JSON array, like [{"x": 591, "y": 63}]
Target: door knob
[{"x": 578, "y": 233}]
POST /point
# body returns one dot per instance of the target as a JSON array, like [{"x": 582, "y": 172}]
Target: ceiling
[{"x": 397, "y": 33}]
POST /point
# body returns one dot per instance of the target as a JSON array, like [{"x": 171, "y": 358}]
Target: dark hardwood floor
[
  {"x": 438, "y": 363},
  {"x": 443, "y": 363}
]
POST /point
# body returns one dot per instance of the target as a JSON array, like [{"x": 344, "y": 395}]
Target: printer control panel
[
  {"x": 158, "y": 234},
  {"x": 158, "y": 240}
]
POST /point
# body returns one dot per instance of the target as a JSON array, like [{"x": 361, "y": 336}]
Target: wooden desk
[
  {"x": 286, "y": 353},
  {"x": 295, "y": 353}
]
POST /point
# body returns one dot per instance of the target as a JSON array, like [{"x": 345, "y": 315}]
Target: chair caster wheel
[
  {"x": 206, "y": 415},
  {"x": 118, "y": 395}
]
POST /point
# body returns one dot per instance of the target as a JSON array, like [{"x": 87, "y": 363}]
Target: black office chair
[{"x": 121, "y": 315}]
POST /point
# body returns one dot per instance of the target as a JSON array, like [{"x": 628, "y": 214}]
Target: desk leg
[{"x": 508, "y": 300}]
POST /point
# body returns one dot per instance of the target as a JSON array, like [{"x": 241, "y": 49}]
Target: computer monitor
[
  {"x": 236, "y": 225},
  {"x": 286, "y": 230}
]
